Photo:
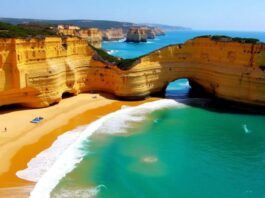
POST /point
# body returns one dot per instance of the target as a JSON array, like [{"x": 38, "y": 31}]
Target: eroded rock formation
[
  {"x": 113, "y": 34},
  {"x": 228, "y": 69},
  {"x": 67, "y": 30},
  {"x": 141, "y": 34},
  {"x": 36, "y": 73},
  {"x": 151, "y": 34},
  {"x": 159, "y": 32},
  {"x": 92, "y": 35},
  {"x": 136, "y": 35}
]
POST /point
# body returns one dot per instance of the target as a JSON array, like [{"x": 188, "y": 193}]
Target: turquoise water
[
  {"x": 132, "y": 50},
  {"x": 190, "y": 151}
]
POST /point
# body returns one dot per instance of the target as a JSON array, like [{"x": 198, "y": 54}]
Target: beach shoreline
[{"x": 18, "y": 147}]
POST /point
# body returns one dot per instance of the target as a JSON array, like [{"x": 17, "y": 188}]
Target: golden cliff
[
  {"x": 92, "y": 35},
  {"x": 228, "y": 69},
  {"x": 113, "y": 34},
  {"x": 136, "y": 35},
  {"x": 141, "y": 34},
  {"x": 36, "y": 73}
]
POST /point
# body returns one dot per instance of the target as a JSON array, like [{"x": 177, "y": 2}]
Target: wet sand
[{"x": 24, "y": 140}]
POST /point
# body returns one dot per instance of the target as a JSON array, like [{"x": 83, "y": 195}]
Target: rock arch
[{"x": 222, "y": 67}]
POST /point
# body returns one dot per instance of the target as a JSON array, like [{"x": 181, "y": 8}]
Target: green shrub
[
  {"x": 23, "y": 31},
  {"x": 245, "y": 40},
  {"x": 203, "y": 36},
  {"x": 123, "y": 64},
  {"x": 220, "y": 37},
  {"x": 236, "y": 39}
]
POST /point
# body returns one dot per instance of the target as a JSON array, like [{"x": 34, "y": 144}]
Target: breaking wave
[
  {"x": 111, "y": 52},
  {"x": 50, "y": 166}
]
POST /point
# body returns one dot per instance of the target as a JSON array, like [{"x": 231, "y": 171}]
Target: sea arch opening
[{"x": 179, "y": 88}]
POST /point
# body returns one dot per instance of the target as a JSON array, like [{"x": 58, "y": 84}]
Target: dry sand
[{"x": 23, "y": 140}]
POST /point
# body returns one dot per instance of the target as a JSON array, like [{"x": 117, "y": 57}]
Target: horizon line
[{"x": 191, "y": 29}]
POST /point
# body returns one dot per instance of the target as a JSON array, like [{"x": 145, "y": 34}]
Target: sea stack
[
  {"x": 136, "y": 35},
  {"x": 150, "y": 33},
  {"x": 141, "y": 34},
  {"x": 113, "y": 34}
]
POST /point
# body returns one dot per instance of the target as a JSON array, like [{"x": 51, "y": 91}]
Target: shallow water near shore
[{"x": 177, "y": 150}]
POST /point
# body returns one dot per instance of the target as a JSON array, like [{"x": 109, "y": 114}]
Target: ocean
[
  {"x": 133, "y": 50},
  {"x": 185, "y": 145}
]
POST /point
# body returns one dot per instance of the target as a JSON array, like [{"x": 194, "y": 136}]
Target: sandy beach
[{"x": 23, "y": 140}]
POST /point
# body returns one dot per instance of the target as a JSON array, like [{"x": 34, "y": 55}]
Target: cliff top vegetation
[
  {"x": 228, "y": 38},
  {"x": 123, "y": 64},
  {"x": 24, "y": 30}
]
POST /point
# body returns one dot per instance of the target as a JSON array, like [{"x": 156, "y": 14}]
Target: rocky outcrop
[
  {"x": 151, "y": 34},
  {"x": 136, "y": 35},
  {"x": 36, "y": 73},
  {"x": 141, "y": 34},
  {"x": 229, "y": 69},
  {"x": 113, "y": 34},
  {"x": 92, "y": 35},
  {"x": 159, "y": 32},
  {"x": 67, "y": 30}
]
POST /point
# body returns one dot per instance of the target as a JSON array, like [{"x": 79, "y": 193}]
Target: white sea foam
[
  {"x": 112, "y": 51},
  {"x": 245, "y": 127},
  {"x": 78, "y": 192},
  {"x": 121, "y": 40},
  {"x": 67, "y": 154},
  {"x": 116, "y": 41},
  {"x": 44, "y": 160},
  {"x": 185, "y": 84}
]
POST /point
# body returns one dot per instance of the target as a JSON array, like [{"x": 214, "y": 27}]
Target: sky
[{"x": 247, "y": 15}]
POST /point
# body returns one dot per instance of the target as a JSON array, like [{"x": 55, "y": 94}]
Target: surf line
[{"x": 73, "y": 155}]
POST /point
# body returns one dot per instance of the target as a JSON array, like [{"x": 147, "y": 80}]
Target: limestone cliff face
[
  {"x": 151, "y": 34},
  {"x": 67, "y": 30},
  {"x": 227, "y": 69},
  {"x": 92, "y": 35},
  {"x": 36, "y": 73},
  {"x": 113, "y": 34},
  {"x": 141, "y": 34},
  {"x": 136, "y": 35},
  {"x": 159, "y": 32}
]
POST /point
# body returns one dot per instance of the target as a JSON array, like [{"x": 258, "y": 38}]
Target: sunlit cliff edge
[{"x": 37, "y": 72}]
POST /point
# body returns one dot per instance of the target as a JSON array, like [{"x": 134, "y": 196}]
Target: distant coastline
[{"x": 87, "y": 23}]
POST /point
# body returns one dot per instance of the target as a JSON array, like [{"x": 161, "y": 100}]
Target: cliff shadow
[
  {"x": 194, "y": 95},
  {"x": 12, "y": 108}
]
